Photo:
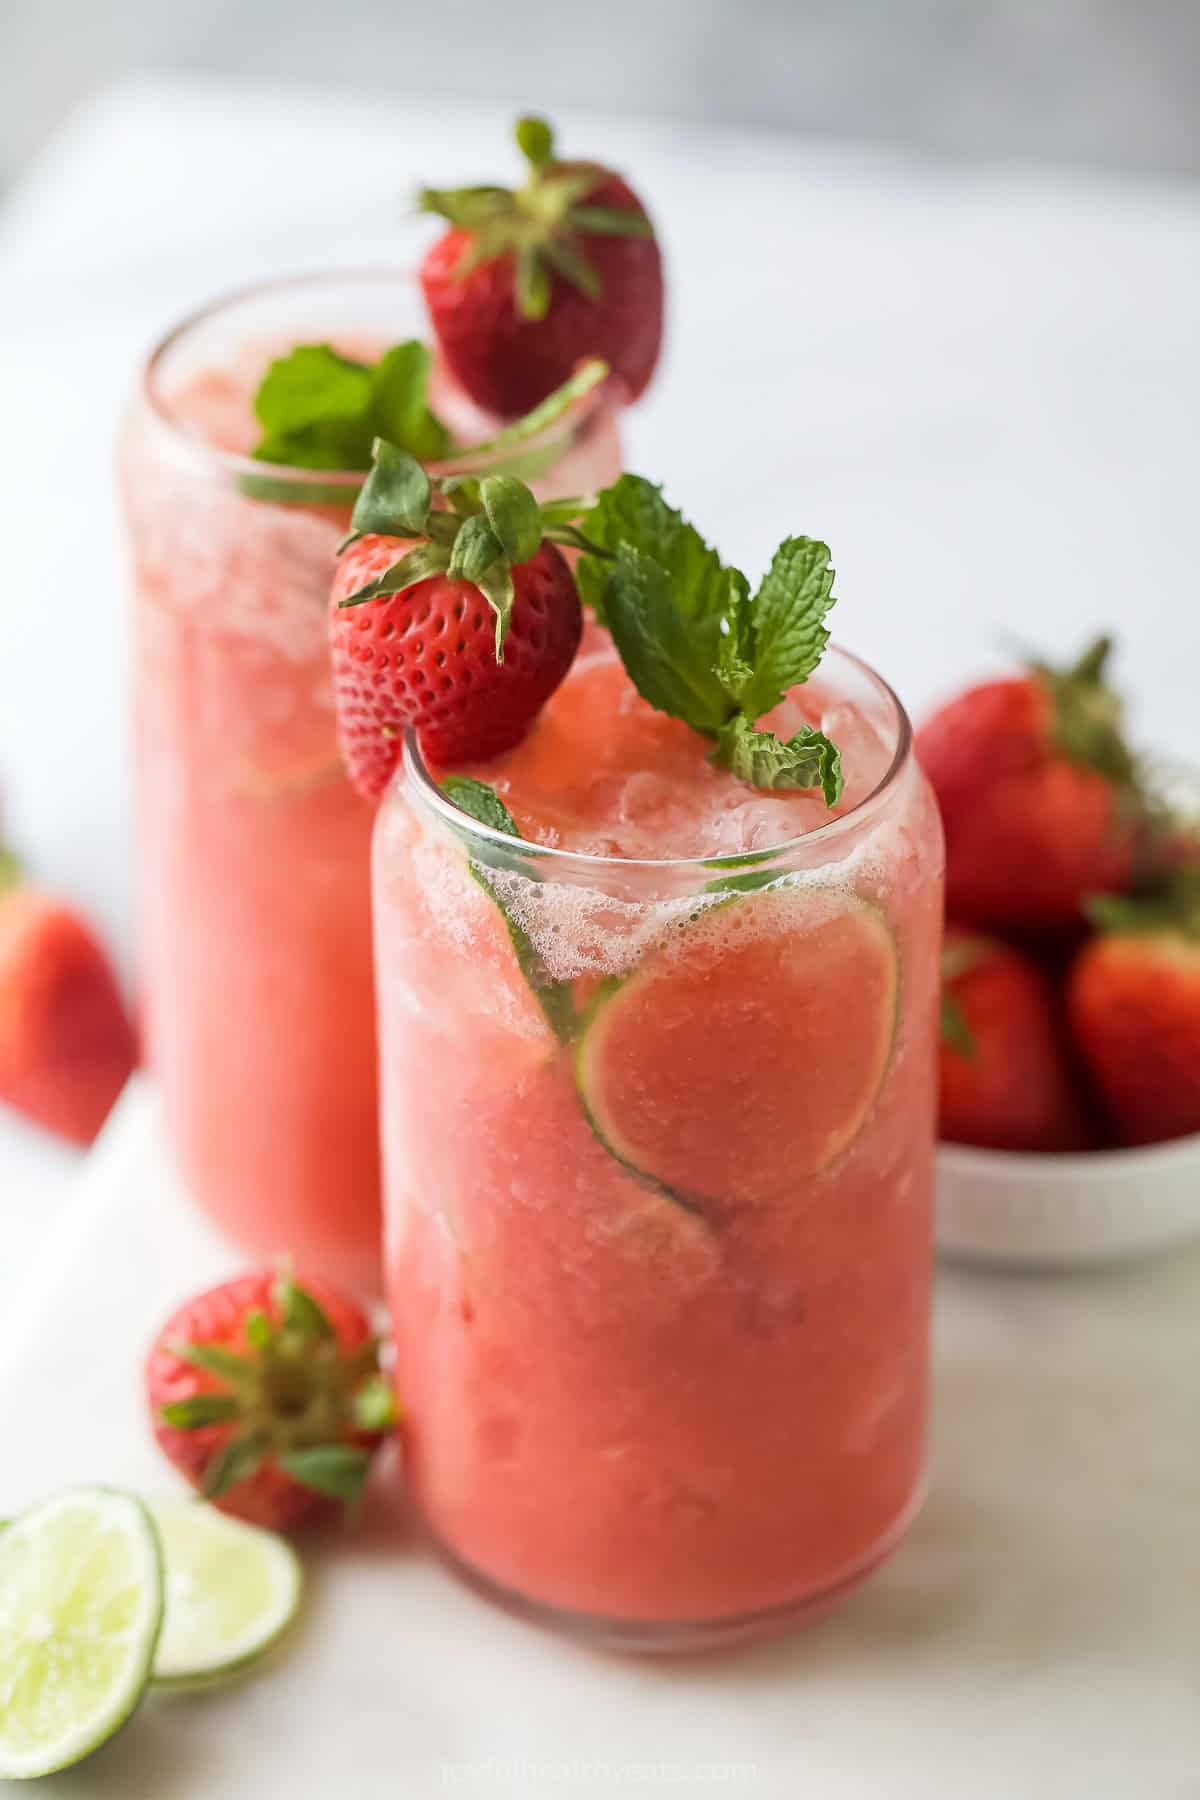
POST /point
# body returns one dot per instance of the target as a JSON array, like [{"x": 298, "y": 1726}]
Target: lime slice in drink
[
  {"x": 747, "y": 1055},
  {"x": 81, "y": 1607},
  {"x": 232, "y": 1590}
]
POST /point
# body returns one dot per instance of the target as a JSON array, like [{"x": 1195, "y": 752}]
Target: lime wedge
[
  {"x": 232, "y": 1590},
  {"x": 81, "y": 1607}
]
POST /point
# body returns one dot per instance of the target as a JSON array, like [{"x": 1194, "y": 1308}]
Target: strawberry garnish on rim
[
  {"x": 528, "y": 280},
  {"x": 268, "y": 1396},
  {"x": 453, "y": 611}
]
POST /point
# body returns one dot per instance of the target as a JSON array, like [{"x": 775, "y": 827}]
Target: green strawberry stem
[
  {"x": 10, "y": 870},
  {"x": 293, "y": 1398},
  {"x": 469, "y": 527},
  {"x": 542, "y": 224}
]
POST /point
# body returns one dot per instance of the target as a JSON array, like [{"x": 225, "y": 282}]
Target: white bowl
[{"x": 1002, "y": 1206}]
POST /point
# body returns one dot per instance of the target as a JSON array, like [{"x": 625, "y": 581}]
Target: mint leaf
[
  {"x": 321, "y": 410},
  {"x": 669, "y": 660},
  {"x": 633, "y": 512},
  {"x": 481, "y": 803},
  {"x": 806, "y": 760},
  {"x": 399, "y": 407},
  {"x": 310, "y": 386},
  {"x": 785, "y": 618}
]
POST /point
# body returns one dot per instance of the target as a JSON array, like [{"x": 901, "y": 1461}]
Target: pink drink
[
  {"x": 253, "y": 847},
  {"x": 658, "y": 1241}
]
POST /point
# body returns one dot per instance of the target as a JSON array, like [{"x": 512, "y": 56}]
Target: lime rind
[
  {"x": 81, "y": 1611},
  {"x": 232, "y": 1592}
]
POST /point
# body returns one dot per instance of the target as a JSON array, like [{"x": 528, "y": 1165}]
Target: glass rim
[
  {"x": 599, "y": 400},
  {"x": 416, "y": 773}
]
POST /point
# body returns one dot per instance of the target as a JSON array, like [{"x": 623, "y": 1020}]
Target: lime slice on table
[
  {"x": 747, "y": 1055},
  {"x": 232, "y": 1591},
  {"x": 81, "y": 1607}
]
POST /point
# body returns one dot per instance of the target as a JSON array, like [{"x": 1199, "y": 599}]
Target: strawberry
[
  {"x": 528, "y": 281},
  {"x": 67, "y": 1047},
  {"x": 268, "y": 1397},
  {"x": 1133, "y": 999},
  {"x": 1039, "y": 795},
  {"x": 459, "y": 618},
  {"x": 1005, "y": 1078}
]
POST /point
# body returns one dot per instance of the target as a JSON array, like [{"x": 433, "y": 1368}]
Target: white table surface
[
  {"x": 1035, "y": 1638},
  {"x": 982, "y": 388}
]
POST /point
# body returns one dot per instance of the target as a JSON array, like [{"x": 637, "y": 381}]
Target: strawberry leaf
[
  {"x": 200, "y": 1411},
  {"x": 338, "y": 1471},
  {"x": 395, "y": 498},
  {"x": 241, "y": 1458},
  {"x": 374, "y": 1405},
  {"x": 418, "y": 565},
  {"x": 226, "y": 1365},
  {"x": 300, "y": 1311},
  {"x": 513, "y": 514}
]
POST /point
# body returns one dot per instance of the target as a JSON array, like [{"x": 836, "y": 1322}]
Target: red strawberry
[
  {"x": 528, "y": 282},
  {"x": 1133, "y": 1001},
  {"x": 1038, "y": 793},
  {"x": 1005, "y": 1080},
  {"x": 268, "y": 1397},
  {"x": 461, "y": 623},
  {"x": 67, "y": 1047}
]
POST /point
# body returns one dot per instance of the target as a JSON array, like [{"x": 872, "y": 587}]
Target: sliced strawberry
[
  {"x": 1005, "y": 1078},
  {"x": 1134, "y": 1006},
  {"x": 267, "y": 1395},
  {"x": 529, "y": 281},
  {"x": 453, "y": 612},
  {"x": 1039, "y": 795},
  {"x": 67, "y": 1046}
]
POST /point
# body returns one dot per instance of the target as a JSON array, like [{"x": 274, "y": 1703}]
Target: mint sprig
[
  {"x": 699, "y": 645},
  {"x": 321, "y": 410}
]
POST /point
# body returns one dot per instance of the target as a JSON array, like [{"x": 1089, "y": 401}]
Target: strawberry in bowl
[
  {"x": 527, "y": 281},
  {"x": 1040, "y": 795}
]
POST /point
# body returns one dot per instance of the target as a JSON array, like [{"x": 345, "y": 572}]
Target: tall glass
[
  {"x": 254, "y": 850},
  {"x": 663, "y": 1398}
]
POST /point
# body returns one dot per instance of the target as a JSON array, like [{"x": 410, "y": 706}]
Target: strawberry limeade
[
  {"x": 658, "y": 1104},
  {"x": 254, "y": 850}
]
